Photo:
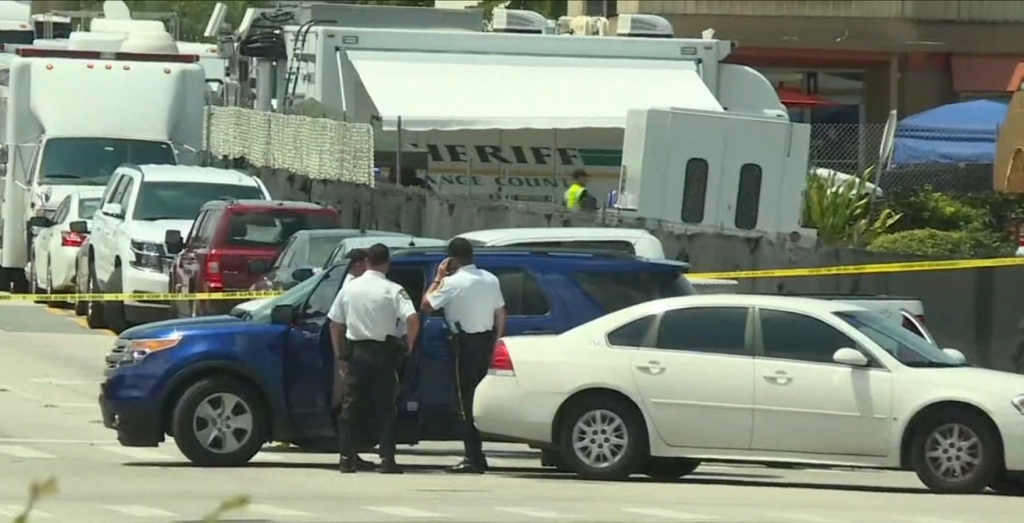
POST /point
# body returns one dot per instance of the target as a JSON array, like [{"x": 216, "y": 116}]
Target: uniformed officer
[
  {"x": 364, "y": 318},
  {"x": 475, "y": 311},
  {"x": 356, "y": 265}
]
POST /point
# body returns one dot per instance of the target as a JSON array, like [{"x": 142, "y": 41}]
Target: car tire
[
  {"x": 951, "y": 437},
  {"x": 668, "y": 469},
  {"x": 81, "y": 308},
  {"x": 94, "y": 316},
  {"x": 607, "y": 418},
  {"x": 49, "y": 286},
  {"x": 114, "y": 311},
  {"x": 235, "y": 445}
]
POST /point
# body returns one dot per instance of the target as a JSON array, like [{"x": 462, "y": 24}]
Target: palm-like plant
[{"x": 841, "y": 210}]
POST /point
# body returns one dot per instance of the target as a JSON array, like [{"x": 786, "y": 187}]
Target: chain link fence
[
  {"x": 853, "y": 148},
  {"x": 319, "y": 148}
]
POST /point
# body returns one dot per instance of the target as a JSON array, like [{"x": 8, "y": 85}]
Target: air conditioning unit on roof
[
  {"x": 644, "y": 26},
  {"x": 515, "y": 21}
]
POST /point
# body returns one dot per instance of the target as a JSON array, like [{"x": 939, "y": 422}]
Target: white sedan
[
  {"x": 55, "y": 248},
  {"x": 660, "y": 386}
]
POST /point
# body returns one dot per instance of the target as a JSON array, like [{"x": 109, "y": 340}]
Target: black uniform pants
[
  {"x": 370, "y": 392},
  {"x": 472, "y": 359}
]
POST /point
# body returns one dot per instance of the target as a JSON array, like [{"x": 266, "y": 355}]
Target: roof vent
[
  {"x": 515, "y": 21},
  {"x": 644, "y": 26}
]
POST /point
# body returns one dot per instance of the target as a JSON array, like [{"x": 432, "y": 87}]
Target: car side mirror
[
  {"x": 956, "y": 355},
  {"x": 851, "y": 357},
  {"x": 173, "y": 242},
  {"x": 257, "y": 267},
  {"x": 302, "y": 274},
  {"x": 79, "y": 227},
  {"x": 282, "y": 315},
  {"x": 41, "y": 222},
  {"x": 113, "y": 209}
]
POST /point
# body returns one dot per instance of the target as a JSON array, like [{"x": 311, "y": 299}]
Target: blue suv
[{"x": 223, "y": 386}]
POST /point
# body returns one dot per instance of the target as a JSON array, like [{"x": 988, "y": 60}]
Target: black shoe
[
  {"x": 388, "y": 466},
  {"x": 362, "y": 464},
  {"x": 347, "y": 466},
  {"x": 468, "y": 466}
]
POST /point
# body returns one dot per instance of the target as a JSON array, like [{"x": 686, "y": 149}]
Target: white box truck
[{"x": 70, "y": 117}]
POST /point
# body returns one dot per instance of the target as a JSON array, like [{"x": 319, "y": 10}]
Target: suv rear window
[
  {"x": 620, "y": 289},
  {"x": 272, "y": 228}
]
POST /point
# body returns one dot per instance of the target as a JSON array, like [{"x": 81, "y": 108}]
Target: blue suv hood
[{"x": 183, "y": 325}]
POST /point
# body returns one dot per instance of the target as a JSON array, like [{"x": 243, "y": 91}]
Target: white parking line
[
  {"x": 918, "y": 519},
  {"x": 404, "y": 512},
  {"x": 13, "y": 511},
  {"x": 141, "y": 511},
  {"x": 270, "y": 510},
  {"x": 806, "y": 518},
  {"x": 669, "y": 514},
  {"x": 18, "y": 451},
  {"x": 532, "y": 512},
  {"x": 137, "y": 453}
]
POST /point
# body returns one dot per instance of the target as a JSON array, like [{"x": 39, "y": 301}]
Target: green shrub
[
  {"x": 40, "y": 490},
  {"x": 927, "y": 209},
  {"x": 935, "y": 243},
  {"x": 842, "y": 213}
]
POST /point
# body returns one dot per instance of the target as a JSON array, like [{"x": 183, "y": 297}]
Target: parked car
[
  {"x": 55, "y": 248},
  {"x": 140, "y": 205},
  {"x": 230, "y": 246},
  {"x": 276, "y": 366},
  {"x": 658, "y": 387},
  {"x": 305, "y": 254}
]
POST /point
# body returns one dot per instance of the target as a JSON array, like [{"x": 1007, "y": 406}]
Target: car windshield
[
  {"x": 272, "y": 228},
  {"x": 910, "y": 349},
  {"x": 320, "y": 249},
  {"x": 88, "y": 207},
  {"x": 183, "y": 200},
  {"x": 294, "y": 296},
  {"x": 91, "y": 161}
]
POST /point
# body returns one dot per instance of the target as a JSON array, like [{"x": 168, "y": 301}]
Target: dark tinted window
[
  {"x": 596, "y": 245},
  {"x": 19, "y": 37},
  {"x": 617, "y": 290},
  {"x": 88, "y": 207},
  {"x": 413, "y": 280},
  {"x": 91, "y": 161},
  {"x": 720, "y": 330},
  {"x": 748, "y": 197},
  {"x": 183, "y": 200},
  {"x": 695, "y": 188},
  {"x": 266, "y": 228},
  {"x": 795, "y": 336},
  {"x": 523, "y": 296},
  {"x": 323, "y": 295},
  {"x": 631, "y": 334},
  {"x": 206, "y": 230}
]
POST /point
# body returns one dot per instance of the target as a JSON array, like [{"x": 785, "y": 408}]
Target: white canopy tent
[{"x": 456, "y": 91}]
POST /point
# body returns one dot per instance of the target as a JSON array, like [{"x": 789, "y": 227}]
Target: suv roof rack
[{"x": 518, "y": 251}]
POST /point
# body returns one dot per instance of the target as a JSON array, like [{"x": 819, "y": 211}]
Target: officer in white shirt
[
  {"x": 474, "y": 310},
  {"x": 363, "y": 318}
]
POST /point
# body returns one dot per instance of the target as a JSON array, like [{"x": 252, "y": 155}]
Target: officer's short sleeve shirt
[
  {"x": 371, "y": 307},
  {"x": 469, "y": 298}
]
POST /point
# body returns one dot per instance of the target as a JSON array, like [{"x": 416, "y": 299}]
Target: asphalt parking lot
[{"x": 51, "y": 367}]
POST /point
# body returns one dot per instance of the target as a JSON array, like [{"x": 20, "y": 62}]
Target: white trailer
[{"x": 71, "y": 117}]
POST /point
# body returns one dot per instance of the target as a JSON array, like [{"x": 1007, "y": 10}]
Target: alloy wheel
[
  {"x": 223, "y": 423},
  {"x": 600, "y": 438}
]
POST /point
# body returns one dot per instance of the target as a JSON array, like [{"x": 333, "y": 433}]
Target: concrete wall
[{"x": 976, "y": 311}]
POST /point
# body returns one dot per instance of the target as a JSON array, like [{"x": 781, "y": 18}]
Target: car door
[
  {"x": 696, "y": 377},
  {"x": 103, "y": 223},
  {"x": 49, "y": 239},
  {"x": 804, "y": 402},
  {"x": 309, "y": 370},
  {"x": 184, "y": 266}
]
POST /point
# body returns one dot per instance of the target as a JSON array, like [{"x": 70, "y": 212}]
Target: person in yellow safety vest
[{"x": 577, "y": 191}]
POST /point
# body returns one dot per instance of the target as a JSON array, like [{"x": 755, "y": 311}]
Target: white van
[{"x": 633, "y": 241}]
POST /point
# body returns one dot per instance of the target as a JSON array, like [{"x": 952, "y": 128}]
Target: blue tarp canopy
[{"x": 955, "y": 133}]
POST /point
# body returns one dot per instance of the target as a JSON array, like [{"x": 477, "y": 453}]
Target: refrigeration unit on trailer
[
  {"x": 72, "y": 117},
  {"x": 513, "y": 114}
]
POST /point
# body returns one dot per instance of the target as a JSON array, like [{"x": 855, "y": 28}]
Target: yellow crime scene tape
[{"x": 838, "y": 270}]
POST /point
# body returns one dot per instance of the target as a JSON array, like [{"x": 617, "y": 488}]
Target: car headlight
[
  {"x": 137, "y": 350},
  {"x": 148, "y": 255},
  {"x": 1018, "y": 403}
]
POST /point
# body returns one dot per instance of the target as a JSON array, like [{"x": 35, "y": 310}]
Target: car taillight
[
  {"x": 211, "y": 272},
  {"x": 72, "y": 239},
  {"x": 501, "y": 361}
]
